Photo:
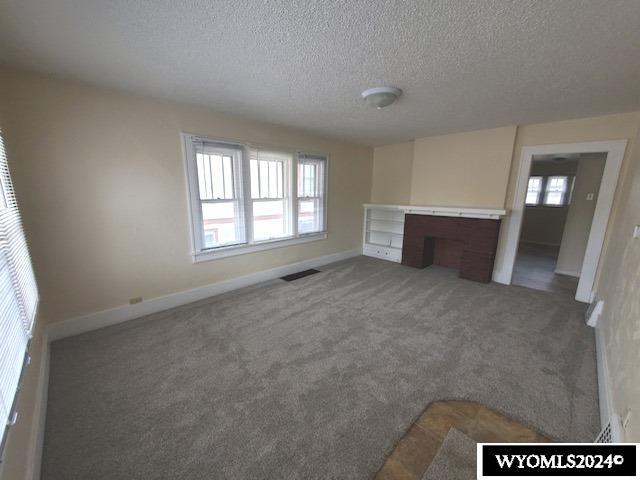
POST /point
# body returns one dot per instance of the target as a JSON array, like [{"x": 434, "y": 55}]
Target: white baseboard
[
  {"x": 604, "y": 393},
  {"x": 544, "y": 244},
  {"x": 568, "y": 273},
  {"x": 40, "y": 412},
  {"x": 112, "y": 316}
]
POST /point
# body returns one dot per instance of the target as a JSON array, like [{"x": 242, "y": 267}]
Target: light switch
[{"x": 589, "y": 196}]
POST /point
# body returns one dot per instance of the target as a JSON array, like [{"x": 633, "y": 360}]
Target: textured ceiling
[{"x": 462, "y": 65}]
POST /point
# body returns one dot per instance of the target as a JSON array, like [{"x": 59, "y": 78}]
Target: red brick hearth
[{"x": 466, "y": 244}]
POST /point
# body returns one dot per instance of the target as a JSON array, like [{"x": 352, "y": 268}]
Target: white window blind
[{"x": 18, "y": 294}]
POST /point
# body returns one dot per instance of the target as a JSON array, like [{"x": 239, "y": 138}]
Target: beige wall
[
  {"x": 544, "y": 225},
  {"x": 468, "y": 169},
  {"x": 607, "y": 127},
  {"x": 100, "y": 180},
  {"x": 619, "y": 286},
  {"x": 580, "y": 214},
  {"x": 392, "y": 174}
]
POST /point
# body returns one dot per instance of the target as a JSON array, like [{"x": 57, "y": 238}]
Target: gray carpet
[
  {"x": 456, "y": 459},
  {"x": 316, "y": 378}
]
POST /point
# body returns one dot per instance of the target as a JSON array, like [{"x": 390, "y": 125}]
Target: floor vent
[
  {"x": 296, "y": 276},
  {"x": 612, "y": 432}
]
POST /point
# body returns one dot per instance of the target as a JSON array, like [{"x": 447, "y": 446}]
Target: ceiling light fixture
[{"x": 381, "y": 97}]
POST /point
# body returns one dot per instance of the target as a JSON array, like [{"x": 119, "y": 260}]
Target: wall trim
[
  {"x": 508, "y": 246},
  {"x": 544, "y": 244},
  {"x": 604, "y": 392},
  {"x": 123, "y": 313},
  {"x": 40, "y": 412},
  {"x": 567, "y": 272}
]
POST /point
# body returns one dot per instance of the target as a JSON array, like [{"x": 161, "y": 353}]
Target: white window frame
[
  {"x": 565, "y": 195},
  {"x": 201, "y": 254},
  {"x": 542, "y": 195},
  {"x": 286, "y": 198},
  {"x": 540, "y": 192},
  {"x": 314, "y": 158},
  {"x": 236, "y": 153}
]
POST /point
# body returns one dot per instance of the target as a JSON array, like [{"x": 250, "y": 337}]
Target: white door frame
[{"x": 508, "y": 249}]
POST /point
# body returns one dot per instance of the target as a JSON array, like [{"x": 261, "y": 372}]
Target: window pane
[
  {"x": 556, "y": 190},
  {"x": 255, "y": 189},
  {"x": 269, "y": 220},
  {"x": 222, "y": 224},
  {"x": 534, "y": 188},
  {"x": 267, "y": 179},
  {"x": 308, "y": 180},
  {"x": 554, "y": 198},
  {"x": 310, "y": 215},
  {"x": 215, "y": 176}
]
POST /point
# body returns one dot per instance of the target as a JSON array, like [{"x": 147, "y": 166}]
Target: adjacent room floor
[
  {"x": 535, "y": 268},
  {"x": 315, "y": 378}
]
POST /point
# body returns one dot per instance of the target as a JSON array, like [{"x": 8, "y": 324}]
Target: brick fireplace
[{"x": 466, "y": 244}]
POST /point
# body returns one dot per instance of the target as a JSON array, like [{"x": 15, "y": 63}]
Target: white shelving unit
[{"x": 383, "y": 232}]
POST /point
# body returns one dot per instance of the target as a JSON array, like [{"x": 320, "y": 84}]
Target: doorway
[
  {"x": 613, "y": 152},
  {"x": 562, "y": 192}
]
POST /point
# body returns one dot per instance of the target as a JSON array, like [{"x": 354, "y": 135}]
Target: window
[
  {"x": 534, "y": 189},
  {"x": 270, "y": 194},
  {"x": 245, "y": 199},
  {"x": 18, "y": 296},
  {"x": 550, "y": 191},
  {"x": 556, "y": 191},
  {"x": 311, "y": 190},
  {"x": 220, "y": 196}
]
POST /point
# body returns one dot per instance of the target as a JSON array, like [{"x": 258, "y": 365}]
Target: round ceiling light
[{"x": 381, "y": 97}]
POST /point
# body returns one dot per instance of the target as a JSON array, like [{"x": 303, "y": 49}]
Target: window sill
[{"x": 223, "y": 252}]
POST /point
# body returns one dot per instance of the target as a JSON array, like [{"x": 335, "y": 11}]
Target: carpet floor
[
  {"x": 456, "y": 459},
  {"x": 316, "y": 378}
]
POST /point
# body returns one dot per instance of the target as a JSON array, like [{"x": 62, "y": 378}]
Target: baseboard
[
  {"x": 604, "y": 393},
  {"x": 112, "y": 316},
  {"x": 567, "y": 272},
  {"x": 40, "y": 412},
  {"x": 544, "y": 244}
]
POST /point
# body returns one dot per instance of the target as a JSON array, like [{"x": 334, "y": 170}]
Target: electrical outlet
[
  {"x": 636, "y": 231},
  {"x": 134, "y": 300}
]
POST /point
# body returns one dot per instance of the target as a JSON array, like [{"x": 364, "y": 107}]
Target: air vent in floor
[
  {"x": 296, "y": 276},
  {"x": 612, "y": 432}
]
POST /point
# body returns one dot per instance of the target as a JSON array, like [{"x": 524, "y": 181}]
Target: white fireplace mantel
[{"x": 489, "y": 213}]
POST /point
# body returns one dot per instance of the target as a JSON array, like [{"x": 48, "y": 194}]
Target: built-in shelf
[
  {"x": 384, "y": 225},
  {"x": 383, "y": 232}
]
